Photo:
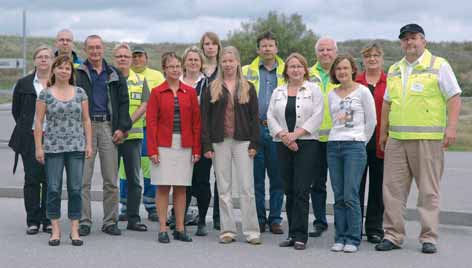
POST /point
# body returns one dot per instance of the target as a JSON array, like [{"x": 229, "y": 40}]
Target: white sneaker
[
  {"x": 338, "y": 247},
  {"x": 350, "y": 249}
]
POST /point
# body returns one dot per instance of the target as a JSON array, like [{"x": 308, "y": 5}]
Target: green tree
[{"x": 291, "y": 33}]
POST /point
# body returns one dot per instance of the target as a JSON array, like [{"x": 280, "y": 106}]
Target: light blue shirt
[{"x": 267, "y": 84}]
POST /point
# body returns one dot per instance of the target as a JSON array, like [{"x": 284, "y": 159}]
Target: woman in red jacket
[
  {"x": 173, "y": 131},
  {"x": 375, "y": 79}
]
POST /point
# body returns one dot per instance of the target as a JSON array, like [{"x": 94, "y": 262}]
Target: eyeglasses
[
  {"x": 43, "y": 57},
  {"x": 293, "y": 67},
  {"x": 375, "y": 56},
  {"x": 173, "y": 67},
  {"x": 123, "y": 56}
]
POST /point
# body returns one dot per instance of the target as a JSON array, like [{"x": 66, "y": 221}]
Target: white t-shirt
[{"x": 353, "y": 116}]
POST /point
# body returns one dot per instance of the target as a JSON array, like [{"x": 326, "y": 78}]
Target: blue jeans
[
  {"x": 266, "y": 158},
  {"x": 54, "y": 166},
  {"x": 346, "y": 163}
]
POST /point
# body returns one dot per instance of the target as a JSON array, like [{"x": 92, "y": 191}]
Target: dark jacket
[
  {"x": 23, "y": 108},
  {"x": 118, "y": 99},
  {"x": 246, "y": 119}
]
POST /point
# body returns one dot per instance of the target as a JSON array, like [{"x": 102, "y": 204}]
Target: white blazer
[{"x": 309, "y": 109}]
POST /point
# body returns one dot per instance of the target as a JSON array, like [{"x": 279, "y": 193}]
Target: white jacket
[{"x": 309, "y": 110}]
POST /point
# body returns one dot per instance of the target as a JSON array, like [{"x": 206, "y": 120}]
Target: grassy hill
[{"x": 459, "y": 54}]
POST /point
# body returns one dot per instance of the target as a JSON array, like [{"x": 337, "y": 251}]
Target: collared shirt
[
  {"x": 99, "y": 89},
  {"x": 38, "y": 87},
  {"x": 324, "y": 76},
  {"x": 446, "y": 78},
  {"x": 267, "y": 84}
]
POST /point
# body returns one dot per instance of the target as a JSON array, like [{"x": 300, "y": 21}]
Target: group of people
[{"x": 274, "y": 117}]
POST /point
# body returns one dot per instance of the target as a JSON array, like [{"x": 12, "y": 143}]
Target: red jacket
[
  {"x": 379, "y": 92},
  {"x": 160, "y": 118}
]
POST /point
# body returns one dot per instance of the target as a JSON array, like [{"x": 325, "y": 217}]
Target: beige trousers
[
  {"x": 227, "y": 152},
  {"x": 422, "y": 160},
  {"x": 108, "y": 153}
]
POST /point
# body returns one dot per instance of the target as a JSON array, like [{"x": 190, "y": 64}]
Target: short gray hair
[{"x": 326, "y": 38}]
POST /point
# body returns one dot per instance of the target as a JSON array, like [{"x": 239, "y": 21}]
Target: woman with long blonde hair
[{"x": 230, "y": 130}]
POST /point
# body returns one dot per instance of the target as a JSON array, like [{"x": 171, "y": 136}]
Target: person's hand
[
  {"x": 40, "y": 155},
  {"x": 291, "y": 137},
  {"x": 195, "y": 158},
  {"x": 252, "y": 152},
  {"x": 449, "y": 136},
  {"x": 293, "y": 146},
  {"x": 383, "y": 140},
  {"x": 155, "y": 159},
  {"x": 209, "y": 155},
  {"x": 118, "y": 136},
  {"x": 88, "y": 151}
]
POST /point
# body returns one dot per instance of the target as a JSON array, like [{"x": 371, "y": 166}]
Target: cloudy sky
[{"x": 185, "y": 20}]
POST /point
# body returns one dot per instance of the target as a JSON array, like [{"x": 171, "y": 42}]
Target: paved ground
[{"x": 134, "y": 249}]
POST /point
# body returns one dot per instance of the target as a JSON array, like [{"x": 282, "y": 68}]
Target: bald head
[
  {"x": 65, "y": 42},
  {"x": 326, "y": 50}
]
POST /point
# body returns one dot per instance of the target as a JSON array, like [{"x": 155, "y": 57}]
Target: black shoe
[
  {"x": 54, "y": 242},
  {"x": 386, "y": 245},
  {"x": 84, "y": 230},
  {"x": 216, "y": 225},
  {"x": 111, "y": 229},
  {"x": 153, "y": 217},
  {"x": 181, "y": 236},
  {"x": 163, "y": 237},
  {"x": 299, "y": 245},
  {"x": 47, "y": 228},
  {"x": 32, "y": 230},
  {"x": 140, "y": 227},
  {"x": 123, "y": 217},
  {"x": 374, "y": 239},
  {"x": 429, "y": 248},
  {"x": 201, "y": 230},
  {"x": 289, "y": 242},
  {"x": 262, "y": 227},
  {"x": 318, "y": 231},
  {"x": 76, "y": 242}
]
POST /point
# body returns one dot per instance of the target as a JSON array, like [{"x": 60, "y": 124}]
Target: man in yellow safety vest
[{"x": 419, "y": 119}]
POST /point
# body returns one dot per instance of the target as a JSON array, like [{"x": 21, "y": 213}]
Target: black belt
[
  {"x": 100, "y": 118},
  {"x": 263, "y": 122}
]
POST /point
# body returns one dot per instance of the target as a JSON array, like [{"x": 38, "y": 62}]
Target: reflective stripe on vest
[
  {"x": 418, "y": 108},
  {"x": 326, "y": 125},
  {"x": 135, "y": 93}
]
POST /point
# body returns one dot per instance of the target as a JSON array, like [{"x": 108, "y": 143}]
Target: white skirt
[{"x": 175, "y": 167}]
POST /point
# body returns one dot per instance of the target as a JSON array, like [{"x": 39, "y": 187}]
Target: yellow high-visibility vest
[
  {"x": 135, "y": 93},
  {"x": 418, "y": 110},
  {"x": 315, "y": 77},
  {"x": 251, "y": 72}
]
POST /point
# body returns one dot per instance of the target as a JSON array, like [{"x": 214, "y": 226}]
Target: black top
[
  {"x": 371, "y": 144},
  {"x": 291, "y": 113},
  {"x": 176, "y": 128}
]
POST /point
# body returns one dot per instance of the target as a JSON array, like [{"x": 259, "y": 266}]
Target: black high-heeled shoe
[
  {"x": 54, "y": 242},
  {"x": 76, "y": 242},
  {"x": 181, "y": 236}
]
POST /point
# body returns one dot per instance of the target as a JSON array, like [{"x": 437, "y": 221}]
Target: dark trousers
[
  {"x": 297, "y": 171},
  {"x": 130, "y": 150},
  {"x": 318, "y": 188},
  {"x": 34, "y": 190},
  {"x": 375, "y": 207},
  {"x": 200, "y": 188}
]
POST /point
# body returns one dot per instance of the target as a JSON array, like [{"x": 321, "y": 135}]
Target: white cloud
[{"x": 186, "y": 20}]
